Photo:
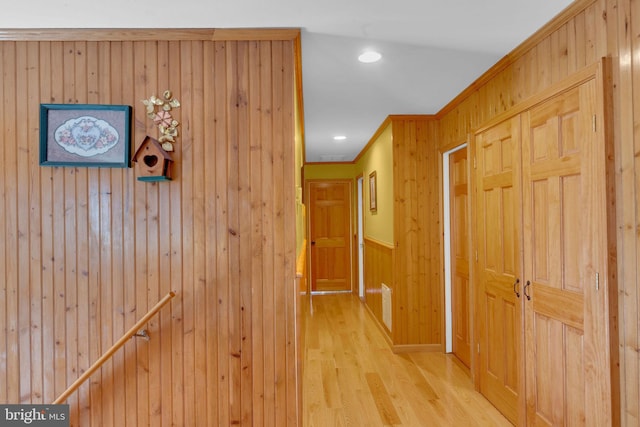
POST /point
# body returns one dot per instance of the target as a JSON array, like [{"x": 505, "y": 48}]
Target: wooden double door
[{"x": 541, "y": 209}]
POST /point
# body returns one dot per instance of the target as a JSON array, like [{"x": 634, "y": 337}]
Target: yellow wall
[
  {"x": 329, "y": 171},
  {"x": 379, "y": 158}
]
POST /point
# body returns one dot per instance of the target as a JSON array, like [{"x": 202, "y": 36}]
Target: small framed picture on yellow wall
[{"x": 373, "y": 192}]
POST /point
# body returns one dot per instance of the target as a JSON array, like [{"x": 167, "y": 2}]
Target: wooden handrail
[{"x": 73, "y": 387}]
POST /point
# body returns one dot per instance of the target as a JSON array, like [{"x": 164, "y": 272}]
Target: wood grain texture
[
  {"x": 460, "y": 255},
  {"x": 417, "y": 307},
  {"x": 330, "y": 230},
  {"x": 567, "y": 317},
  {"x": 378, "y": 269},
  {"x": 594, "y": 29},
  {"x": 569, "y": 46},
  {"x": 85, "y": 252},
  {"x": 496, "y": 211},
  {"x": 137, "y": 34},
  {"x": 627, "y": 179},
  {"x": 352, "y": 378}
]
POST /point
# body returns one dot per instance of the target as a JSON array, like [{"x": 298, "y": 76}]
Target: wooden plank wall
[
  {"x": 587, "y": 31},
  {"x": 627, "y": 137},
  {"x": 86, "y": 252},
  {"x": 417, "y": 294}
]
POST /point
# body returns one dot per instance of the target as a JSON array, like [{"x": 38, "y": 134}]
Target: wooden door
[
  {"x": 330, "y": 230},
  {"x": 563, "y": 186},
  {"x": 459, "y": 228},
  {"x": 499, "y": 265}
]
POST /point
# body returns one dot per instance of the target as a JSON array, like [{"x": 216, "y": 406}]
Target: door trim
[{"x": 446, "y": 208}]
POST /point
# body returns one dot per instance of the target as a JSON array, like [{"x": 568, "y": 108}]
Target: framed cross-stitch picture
[
  {"x": 373, "y": 192},
  {"x": 86, "y": 135}
]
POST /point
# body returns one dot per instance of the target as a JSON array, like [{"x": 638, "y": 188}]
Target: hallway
[{"x": 351, "y": 377}]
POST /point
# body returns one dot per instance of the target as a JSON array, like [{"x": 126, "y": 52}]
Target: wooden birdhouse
[{"x": 153, "y": 163}]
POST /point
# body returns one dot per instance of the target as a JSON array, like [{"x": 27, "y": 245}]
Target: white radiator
[{"x": 386, "y": 306}]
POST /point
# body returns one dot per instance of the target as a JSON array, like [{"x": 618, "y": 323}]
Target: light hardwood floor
[{"x": 352, "y": 378}]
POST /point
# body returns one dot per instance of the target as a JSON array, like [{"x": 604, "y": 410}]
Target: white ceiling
[{"x": 432, "y": 49}]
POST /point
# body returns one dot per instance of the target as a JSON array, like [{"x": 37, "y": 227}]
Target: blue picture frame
[{"x": 85, "y": 135}]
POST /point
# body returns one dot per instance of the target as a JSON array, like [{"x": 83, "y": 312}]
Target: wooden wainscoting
[{"x": 378, "y": 269}]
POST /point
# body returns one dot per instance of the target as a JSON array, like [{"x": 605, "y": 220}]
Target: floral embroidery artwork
[{"x": 86, "y": 136}]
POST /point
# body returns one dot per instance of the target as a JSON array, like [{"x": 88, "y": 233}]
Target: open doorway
[{"x": 456, "y": 253}]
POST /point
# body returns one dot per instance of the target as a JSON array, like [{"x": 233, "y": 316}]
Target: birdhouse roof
[{"x": 156, "y": 147}]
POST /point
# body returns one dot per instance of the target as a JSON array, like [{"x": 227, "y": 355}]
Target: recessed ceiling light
[
  {"x": 369, "y": 56},
  {"x": 339, "y": 138}
]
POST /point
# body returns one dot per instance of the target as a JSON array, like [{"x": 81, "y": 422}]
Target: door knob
[{"x": 515, "y": 290}]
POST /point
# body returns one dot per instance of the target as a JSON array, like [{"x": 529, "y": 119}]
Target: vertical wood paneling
[
  {"x": 58, "y": 235},
  {"x": 127, "y": 362},
  {"x": 244, "y": 208},
  {"x": 222, "y": 274},
  {"x": 280, "y": 252},
  {"x": 186, "y": 91},
  {"x": 210, "y": 294},
  {"x": 86, "y": 251},
  {"x": 4, "y": 294},
  {"x": 69, "y": 219},
  {"x": 405, "y": 266},
  {"x": 428, "y": 221},
  {"x": 83, "y": 258},
  {"x": 34, "y": 215},
  {"x": 602, "y": 28},
  {"x": 157, "y": 239},
  {"x": 104, "y": 276},
  {"x": 629, "y": 193},
  {"x": 140, "y": 254},
  {"x": 234, "y": 108},
  {"x": 11, "y": 262},
  {"x": 46, "y": 245},
  {"x": 268, "y": 244},
  {"x": 197, "y": 126},
  {"x": 290, "y": 361},
  {"x": 417, "y": 309},
  {"x": 256, "y": 117},
  {"x": 151, "y": 412},
  {"x": 172, "y": 326},
  {"x": 96, "y": 61},
  {"x": 378, "y": 268},
  {"x": 22, "y": 212}
]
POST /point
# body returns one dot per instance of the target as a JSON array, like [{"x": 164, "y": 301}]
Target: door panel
[
  {"x": 557, "y": 187},
  {"x": 498, "y": 227},
  {"x": 545, "y": 210},
  {"x": 330, "y": 231},
  {"x": 458, "y": 198}
]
